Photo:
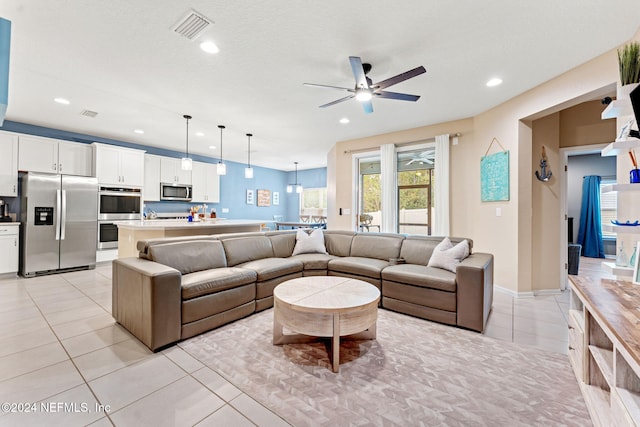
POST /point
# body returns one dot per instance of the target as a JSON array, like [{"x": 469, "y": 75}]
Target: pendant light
[
  {"x": 248, "y": 171},
  {"x": 221, "y": 168},
  {"x": 187, "y": 163},
  {"x": 297, "y": 186}
]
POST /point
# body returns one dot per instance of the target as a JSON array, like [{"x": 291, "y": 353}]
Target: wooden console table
[{"x": 604, "y": 347}]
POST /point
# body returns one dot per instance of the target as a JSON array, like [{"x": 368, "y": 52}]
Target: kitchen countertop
[
  {"x": 162, "y": 224},
  {"x": 9, "y": 223}
]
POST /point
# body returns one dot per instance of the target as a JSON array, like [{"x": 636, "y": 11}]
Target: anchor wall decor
[{"x": 543, "y": 175}]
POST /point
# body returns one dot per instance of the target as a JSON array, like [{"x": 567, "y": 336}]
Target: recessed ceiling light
[
  {"x": 62, "y": 101},
  {"x": 140, "y": 131},
  {"x": 212, "y": 147},
  {"x": 344, "y": 120},
  {"x": 494, "y": 82},
  {"x": 199, "y": 134},
  {"x": 209, "y": 47}
]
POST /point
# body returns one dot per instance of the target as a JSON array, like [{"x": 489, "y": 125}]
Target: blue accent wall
[{"x": 233, "y": 185}]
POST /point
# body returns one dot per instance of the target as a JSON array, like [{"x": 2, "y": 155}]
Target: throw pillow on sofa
[
  {"x": 447, "y": 256},
  {"x": 309, "y": 243}
]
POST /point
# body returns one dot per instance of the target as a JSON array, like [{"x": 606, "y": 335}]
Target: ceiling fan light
[{"x": 363, "y": 95}]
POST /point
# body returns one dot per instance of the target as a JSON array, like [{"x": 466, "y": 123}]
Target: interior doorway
[{"x": 578, "y": 162}]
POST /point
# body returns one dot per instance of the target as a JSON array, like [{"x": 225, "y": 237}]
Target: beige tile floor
[{"x": 63, "y": 359}]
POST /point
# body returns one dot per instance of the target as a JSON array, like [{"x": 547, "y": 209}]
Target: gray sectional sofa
[{"x": 179, "y": 287}]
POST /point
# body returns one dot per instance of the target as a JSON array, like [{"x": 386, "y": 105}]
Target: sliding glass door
[
  {"x": 415, "y": 191},
  {"x": 412, "y": 191}
]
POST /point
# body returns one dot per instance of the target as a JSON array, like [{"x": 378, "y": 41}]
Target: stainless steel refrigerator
[{"x": 59, "y": 215}]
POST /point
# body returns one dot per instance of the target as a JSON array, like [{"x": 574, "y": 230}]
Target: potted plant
[{"x": 629, "y": 64}]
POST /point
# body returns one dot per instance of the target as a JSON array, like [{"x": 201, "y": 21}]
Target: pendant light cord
[
  {"x": 249, "y": 150},
  {"x": 186, "y": 116},
  {"x": 221, "y": 127}
]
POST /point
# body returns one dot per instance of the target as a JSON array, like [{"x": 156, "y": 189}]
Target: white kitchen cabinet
[
  {"x": 151, "y": 178},
  {"x": 8, "y": 165},
  {"x": 9, "y": 248},
  {"x": 75, "y": 158},
  {"x": 171, "y": 171},
  {"x": 119, "y": 166},
  {"x": 206, "y": 183},
  {"x": 37, "y": 154}
]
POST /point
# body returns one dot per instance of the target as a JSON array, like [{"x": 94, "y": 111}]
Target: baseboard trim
[{"x": 527, "y": 294}]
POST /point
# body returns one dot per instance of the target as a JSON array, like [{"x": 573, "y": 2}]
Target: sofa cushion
[
  {"x": 309, "y": 243},
  {"x": 360, "y": 266},
  {"x": 418, "y": 249},
  {"x": 314, "y": 261},
  {"x": 338, "y": 243},
  {"x": 144, "y": 245},
  {"x": 190, "y": 256},
  {"x": 283, "y": 243},
  {"x": 216, "y": 280},
  {"x": 209, "y": 305},
  {"x": 244, "y": 249},
  {"x": 270, "y": 268},
  {"x": 379, "y": 246},
  {"x": 448, "y": 256},
  {"x": 420, "y": 275}
]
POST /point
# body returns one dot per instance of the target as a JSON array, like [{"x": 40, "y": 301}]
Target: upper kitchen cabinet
[
  {"x": 206, "y": 183},
  {"x": 151, "y": 178},
  {"x": 8, "y": 165},
  {"x": 37, "y": 154},
  {"x": 119, "y": 166},
  {"x": 171, "y": 171}
]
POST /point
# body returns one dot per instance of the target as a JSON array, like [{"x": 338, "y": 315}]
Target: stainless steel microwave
[{"x": 174, "y": 191}]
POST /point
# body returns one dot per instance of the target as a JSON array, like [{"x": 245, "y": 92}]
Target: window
[
  {"x": 313, "y": 204},
  {"x": 608, "y": 207}
]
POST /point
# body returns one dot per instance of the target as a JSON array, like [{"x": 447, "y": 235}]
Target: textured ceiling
[{"x": 123, "y": 60}]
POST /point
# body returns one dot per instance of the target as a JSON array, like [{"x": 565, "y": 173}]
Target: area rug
[{"x": 416, "y": 373}]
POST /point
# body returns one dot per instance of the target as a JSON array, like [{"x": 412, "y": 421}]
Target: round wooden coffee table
[{"x": 325, "y": 306}]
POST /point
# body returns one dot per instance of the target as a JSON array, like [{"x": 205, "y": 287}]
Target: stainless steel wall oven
[{"x": 116, "y": 204}]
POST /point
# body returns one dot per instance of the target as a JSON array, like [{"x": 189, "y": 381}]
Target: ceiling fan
[
  {"x": 365, "y": 89},
  {"x": 422, "y": 157}
]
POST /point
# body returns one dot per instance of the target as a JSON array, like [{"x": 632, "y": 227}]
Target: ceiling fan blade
[
  {"x": 337, "y": 101},
  {"x": 328, "y": 86},
  {"x": 395, "y": 95},
  {"x": 358, "y": 71},
  {"x": 399, "y": 78},
  {"x": 368, "y": 106}
]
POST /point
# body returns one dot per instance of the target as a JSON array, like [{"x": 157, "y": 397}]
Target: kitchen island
[{"x": 129, "y": 232}]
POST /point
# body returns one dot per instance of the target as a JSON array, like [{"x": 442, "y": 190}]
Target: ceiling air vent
[
  {"x": 89, "y": 113},
  {"x": 192, "y": 25}
]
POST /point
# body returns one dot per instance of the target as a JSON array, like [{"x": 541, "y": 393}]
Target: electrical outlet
[{"x": 225, "y": 210}]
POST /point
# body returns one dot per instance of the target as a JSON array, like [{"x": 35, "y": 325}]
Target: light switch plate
[{"x": 498, "y": 211}]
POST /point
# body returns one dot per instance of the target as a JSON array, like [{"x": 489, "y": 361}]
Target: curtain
[
  {"x": 590, "y": 230},
  {"x": 389, "y": 189},
  {"x": 441, "y": 190}
]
